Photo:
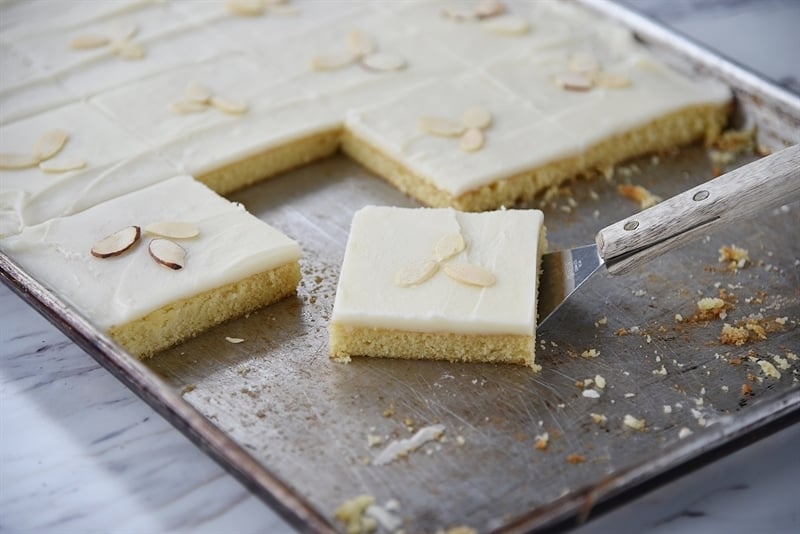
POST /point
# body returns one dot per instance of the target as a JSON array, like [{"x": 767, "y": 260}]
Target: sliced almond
[
  {"x": 184, "y": 107},
  {"x": 489, "y": 8},
  {"x": 167, "y": 253},
  {"x": 127, "y": 49},
  {"x": 360, "y": 43},
  {"x": 571, "y": 81},
  {"x": 88, "y": 42},
  {"x": 172, "y": 229},
  {"x": 415, "y": 273},
  {"x": 582, "y": 63},
  {"x": 448, "y": 246},
  {"x": 196, "y": 92},
  {"x": 476, "y": 117},
  {"x": 472, "y": 140},
  {"x": 50, "y": 143},
  {"x": 117, "y": 243},
  {"x": 441, "y": 126},
  {"x": 612, "y": 80},
  {"x": 245, "y": 8},
  {"x": 333, "y": 61},
  {"x": 62, "y": 165},
  {"x": 469, "y": 274},
  {"x": 10, "y": 161},
  {"x": 383, "y": 61},
  {"x": 228, "y": 105},
  {"x": 511, "y": 25}
]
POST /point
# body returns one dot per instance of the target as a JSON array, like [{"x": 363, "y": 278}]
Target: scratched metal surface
[{"x": 305, "y": 420}]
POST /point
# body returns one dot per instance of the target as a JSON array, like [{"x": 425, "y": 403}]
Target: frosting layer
[
  {"x": 231, "y": 245},
  {"x": 385, "y": 240}
]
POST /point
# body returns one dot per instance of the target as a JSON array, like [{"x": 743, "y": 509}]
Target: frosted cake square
[
  {"x": 163, "y": 283},
  {"x": 439, "y": 284}
]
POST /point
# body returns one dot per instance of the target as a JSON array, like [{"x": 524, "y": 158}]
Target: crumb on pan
[{"x": 639, "y": 194}]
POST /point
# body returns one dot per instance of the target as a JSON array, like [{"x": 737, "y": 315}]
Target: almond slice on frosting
[
  {"x": 245, "y": 8},
  {"x": 228, "y": 105},
  {"x": 196, "y": 92},
  {"x": 570, "y": 81},
  {"x": 127, "y": 49},
  {"x": 472, "y": 140},
  {"x": 448, "y": 246},
  {"x": 62, "y": 165},
  {"x": 172, "y": 229},
  {"x": 415, "y": 273},
  {"x": 360, "y": 43},
  {"x": 469, "y": 274},
  {"x": 383, "y": 61},
  {"x": 88, "y": 42},
  {"x": 167, "y": 253},
  {"x": 10, "y": 161},
  {"x": 489, "y": 8},
  {"x": 476, "y": 117},
  {"x": 441, "y": 126},
  {"x": 50, "y": 143},
  {"x": 511, "y": 25},
  {"x": 117, "y": 243},
  {"x": 333, "y": 61}
]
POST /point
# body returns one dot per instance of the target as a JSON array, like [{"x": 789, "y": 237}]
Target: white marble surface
[{"x": 80, "y": 453}]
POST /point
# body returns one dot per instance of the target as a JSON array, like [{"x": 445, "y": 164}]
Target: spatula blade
[{"x": 563, "y": 271}]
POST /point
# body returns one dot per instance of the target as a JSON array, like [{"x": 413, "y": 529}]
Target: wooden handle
[{"x": 741, "y": 193}]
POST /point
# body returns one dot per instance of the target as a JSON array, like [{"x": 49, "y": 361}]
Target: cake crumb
[
  {"x": 733, "y": 335},
  {"x": 188, "y": 388},
  {"x": 234, "y": 340},
  {"x": 600, "y": 381},
  {"x": 734, "y": 257},
  {"x": 575, "y": 459},
  {"x": 591, "y": 394},
  {"x": 746, "y": 390},
  {"x": 460, "y": 441},
  {"x": 769, "y": 370},
  {"x": 351, "y": 513},
  {"x": 710, "y": 307},
  {"x": 542, "y": 441},
  {"x": 678, "y": 318},
  {"x": 639, "y": 194},
  {"x": 662, "y": 371},
  {"x": 667, "y": 409},
  {"x": 629, "y": 395},
  {"x": 634, "y": 423},
  {"x": 590, "y": 353},
  {"x": 684, "y": 432},
  {"x": 373, "y": 440},
  {"x": 599, "y": 419}
]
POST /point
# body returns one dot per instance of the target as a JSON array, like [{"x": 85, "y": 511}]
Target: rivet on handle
[
  {"x": 700, "y": 195},
  {"x": 631, "y": 225}
]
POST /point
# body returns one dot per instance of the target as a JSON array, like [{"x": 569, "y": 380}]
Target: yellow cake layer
[
  {"x": 183, "y": 319},
  {"x": 271, "y": 162},
  {"x": 346, "y": 341},
  {"x": 676, "y": 129}
]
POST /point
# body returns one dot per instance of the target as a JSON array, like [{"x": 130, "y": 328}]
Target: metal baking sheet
[{"x": 294, "y": 427}]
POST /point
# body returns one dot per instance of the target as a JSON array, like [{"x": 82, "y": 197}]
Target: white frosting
[
  {"x": 264, "y": 62},
  {"x": 115, "y": 164},
  {"x": 232, "y": 245},
  {"x": 384, "y": 239}
]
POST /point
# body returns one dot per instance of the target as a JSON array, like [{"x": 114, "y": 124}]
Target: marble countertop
[{"x": 80, "y": 453}]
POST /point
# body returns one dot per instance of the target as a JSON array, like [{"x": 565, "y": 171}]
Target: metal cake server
[{"x": 629, "y": 243}]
